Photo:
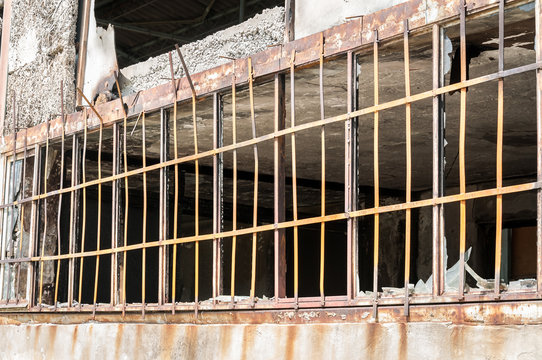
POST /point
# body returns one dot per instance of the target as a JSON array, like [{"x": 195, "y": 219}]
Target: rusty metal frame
[{"x": 346, "y": 39}]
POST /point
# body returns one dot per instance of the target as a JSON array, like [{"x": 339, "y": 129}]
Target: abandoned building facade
[{"x": 271, "y": 179}]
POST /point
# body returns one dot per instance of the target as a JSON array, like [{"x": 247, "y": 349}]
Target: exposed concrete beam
[{"x": 139, "y": 30}]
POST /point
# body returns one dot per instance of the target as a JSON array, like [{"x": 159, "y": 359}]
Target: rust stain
[
  {"x": 74, "y": 337},
  {"x": 403, "y": 341},
  {"x": 291, "y": 335},
  {"x": 225, "y": 339},
  {"x": 247, "y": 337},
  {"x": 52, "y": 336},
  {"x": 36, "y": 336},
  {"x": 168, "y": 337},
  {"x": 118, "y": 340}
]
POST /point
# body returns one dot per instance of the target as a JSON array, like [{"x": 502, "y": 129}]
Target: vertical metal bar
[
  {"x": 34, "y": 227},
  {"x": 61, "y": 186},
  {"x": 289, "y": 14},
  {"x": 218, "y": 186},
  {"x": 408, "y": 165},
  {"x": 323, "y": 179},
  {"x": 126, "y": 198},
  {"x": 234, "y": 196},
  {"x": 255, "y": 205},
  {"x": 99, "y": 215},
  {"x": 84, "y": 217},
  {"x": 164, "y": 212},
  {"x": 115, "y": 185},
  {"x": 12, "y": 199},
  {"x": 144, "y": 235},
  {"x": 294, "y": 174},
  {"x": 538, "y": 47},
  {"x": 500, "y": 110},
  {"x": 376, "y": 178},
  {"x": 438, "y": 283},
  {"x": 350, "y": 185},
  {"x": 196, "y": 164},
  {"x": 73, "y": 217},
  {"x": 462, "y": 121},
  {"x": 42, "y": 252},
  {"x": 176, "y": 190},
  {"x": 279, "y": 188},
  {"x": 22, "y": 207}
]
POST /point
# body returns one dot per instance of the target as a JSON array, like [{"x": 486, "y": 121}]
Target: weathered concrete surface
[
  {"x": 41, "y": 54},
  {"x": 312, "y": 16},
  {"x": 270, "y": 341},
  {"x": 250, "y": 37}
]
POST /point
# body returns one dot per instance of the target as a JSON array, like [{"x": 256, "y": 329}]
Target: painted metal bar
[
  {"x": 144, "y": 234},
  {"x": 23, "y": 183},
  {"x": 500, "y": 111},
  {"x": 196, "y": 215},
  {"x": 234, "y": 195},
  {"x": 376, "y": 179},
  {"x": 305, "y": 221},
  {"x": 294, "y": 174},
  {"x": 126, "y": 199},
  {"x": 255, "y": 204},
  {"x": 32, "y": 269},
  {"x": 115, "y": 217},
  {"x": 12, "y": 196},
  {"x": 351, "y": 177},
  {"x": 279, "y": 189},
  {"x": 462, "y": 125},
  {"x": 323, "y": 167},
  {"x": 408, "y": 195},
  {"x": 59, "y": 210},
  {"x": 298, "y": 128},
  {"x": 218, "y": 194},
  {"x": 44, "y": 238},
  {"x": 176, "y": 188},
  {"x": 99, "y": 214},
  {"x": 538, "y": 48},
  {"x": 84, "y": 215}
]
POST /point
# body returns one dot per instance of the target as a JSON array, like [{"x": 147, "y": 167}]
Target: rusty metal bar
[
  {"x": 144, "y": 234},
  {"x": 84, "y": 215},
  {"x": 33, "y": 228},
  {"x": 73, "y": 217},
  {"x": 255, "y": 204},
  {"x": 351, "y": 176},
  {"x": 462, "y": 125},
  {"x": 196, "y": 215},
  {"x": 376, "y": 179},
  {"x": 21, "y": 217},
  {"x": 115, "y": 217},
  {"x": 538, "y": 48},
  {"x": 500, "y": 111},
  {"x": 234, "y": 196},
  {"x": 176, "y": 188},
  {"x": 99, "y": 215},
  {"x": 42, "y": 252},
  {"x": 218, "y": 194},
  {"x": 279, "y": 189},
  {"x": 12, "y": 193},
  {"x": 59, "y": 210},
  {"x": 298, "y": 128},
  {"x": 408, "y": 195},
  {"x": 306, "y": 221},
  {"x": 163, "y": 251},
  {"x": 323, "y": 166},
  {"x": 437, "y": 137},
  {"x": 294, "y": 174}
]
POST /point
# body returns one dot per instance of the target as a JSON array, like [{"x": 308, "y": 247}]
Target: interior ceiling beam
[
  {"x": 184, "y": 29},
  {"x": 196, "y": 20},
  {"x": 136, "y": 29}
]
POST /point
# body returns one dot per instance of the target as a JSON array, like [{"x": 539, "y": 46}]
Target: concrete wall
[
  {"x": 312, "y": 16},
  {"x": 41, "y": 54},
  {"x": 271, "y": 341}
]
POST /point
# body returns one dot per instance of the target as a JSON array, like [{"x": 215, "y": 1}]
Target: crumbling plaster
[
  {"x": 41, "y": 54},
  {"x": 245, "y": 39}
]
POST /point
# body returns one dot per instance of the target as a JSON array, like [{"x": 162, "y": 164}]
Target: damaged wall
[
  {"x": 245, "y": 39},
  {"x": 41, "y": 54}
]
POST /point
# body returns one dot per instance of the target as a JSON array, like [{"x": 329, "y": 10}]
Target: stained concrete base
[{"x": 271, "y": 341}]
